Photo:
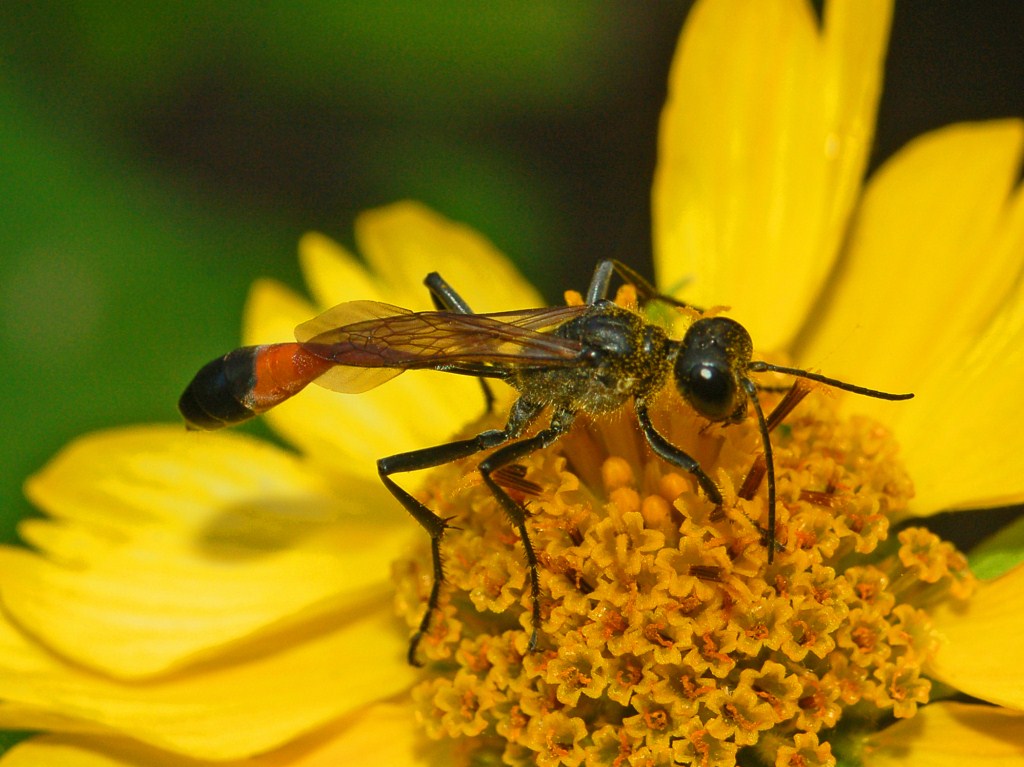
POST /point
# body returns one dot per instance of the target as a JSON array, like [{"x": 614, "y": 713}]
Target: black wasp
[{"x": 565, "y": 360}]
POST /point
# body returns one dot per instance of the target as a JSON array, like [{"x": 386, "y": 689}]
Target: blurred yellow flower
[{"x": 192, "y": 599}]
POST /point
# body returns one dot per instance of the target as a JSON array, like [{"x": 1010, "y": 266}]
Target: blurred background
[{"x": 156, "y": 158}]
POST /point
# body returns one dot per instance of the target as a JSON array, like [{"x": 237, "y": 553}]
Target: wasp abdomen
[{"x": 247, "y": 382}]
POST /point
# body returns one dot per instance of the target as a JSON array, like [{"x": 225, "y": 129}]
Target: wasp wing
[
  {"x": 348, "y": 378},
  {"x": 348, "y": 313},
  {"x": 539, "y": 320},
  {"x": 370, "y": 342}
]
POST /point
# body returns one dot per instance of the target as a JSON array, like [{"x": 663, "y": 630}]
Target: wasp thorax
[{"x": 712, "y": 357}]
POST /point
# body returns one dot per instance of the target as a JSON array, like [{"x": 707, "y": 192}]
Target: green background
[{"x": 157, "y": 158}]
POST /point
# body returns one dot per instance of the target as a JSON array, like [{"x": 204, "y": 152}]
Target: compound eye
[{"x": 711, "y": 390}]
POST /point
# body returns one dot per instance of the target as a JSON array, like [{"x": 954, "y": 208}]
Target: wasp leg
[
  {"x": 560, "y": 423},
  {"x": 519, "y": 418},
  {"x": 601, "y": 281},
  {"x": 769, "y": 459},
  {"x": 445, "y": 298},
  {"x": 676, "y": 456}
]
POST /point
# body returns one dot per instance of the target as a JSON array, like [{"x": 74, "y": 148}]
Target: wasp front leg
[{"x": 677, "y": 456}]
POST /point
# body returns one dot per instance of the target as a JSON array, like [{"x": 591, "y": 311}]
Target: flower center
[{"x": 666, "y": 636}]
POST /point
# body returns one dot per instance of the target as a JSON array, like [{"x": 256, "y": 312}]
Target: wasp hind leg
[
  {"x": 435, "y": 525},
  {"x": 446, "y": 299}
]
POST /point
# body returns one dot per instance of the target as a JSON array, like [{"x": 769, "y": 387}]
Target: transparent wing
[
  {"x": 540, "y": 320},
  {"x": 349, "y": 378},
  {"x": 371, "y": 342},
  {"x": 352, "y": 380},
  {"x": 348, "y": 313}
]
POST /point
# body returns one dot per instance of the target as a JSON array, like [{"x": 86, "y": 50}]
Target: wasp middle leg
[
  {"x": 601, "y": 282},
  {"x": 521, "y": 415}
]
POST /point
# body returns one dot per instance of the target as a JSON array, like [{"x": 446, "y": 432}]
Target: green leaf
[{"x": 999, "y": 552}]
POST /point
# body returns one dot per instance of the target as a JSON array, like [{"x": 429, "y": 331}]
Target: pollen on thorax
[{"x": 666, "y": 636}]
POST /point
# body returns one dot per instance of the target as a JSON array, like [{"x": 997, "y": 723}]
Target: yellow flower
[{"x": 207, "y": 598}]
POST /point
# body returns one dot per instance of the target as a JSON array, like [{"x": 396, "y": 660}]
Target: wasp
[{"x": 591, "y": 358}]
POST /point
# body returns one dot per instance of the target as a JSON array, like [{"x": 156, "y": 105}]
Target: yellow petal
[
  {"x": 761, "y": 148},
  {"x": 181, "y": 543},
  {"x": 387, "y": 731},
  {"x": 272, "y": 312},
  {"x": 934, "y": 250},
  {"x": 334, "y": 275},
  {"x": 963, "y": 436},
  {"x": 950, "y": 735},
  {"x": 980, "y": 651},
  {"x": 349, "y": 432},
  {"x": 20, "y": 717},
  {"x": 406, "y": 241},
  {"x": 63, "y": 751},
  {"x": 280, "y": 689}
]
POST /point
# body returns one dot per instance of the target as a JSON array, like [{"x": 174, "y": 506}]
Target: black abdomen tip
[{"x": 215, "y": 397}]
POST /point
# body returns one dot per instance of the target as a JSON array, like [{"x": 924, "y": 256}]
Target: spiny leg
[
  {"x": 793, "y": 397},
  {"x": 560, "y": 422},
  {"x": 446, "y": 299},
  {"x": 677, "y": 456},
  {"x": 425, "y": 458},
  {"x": 761, "y": 467},
  {"x": 769, "y": 460}
]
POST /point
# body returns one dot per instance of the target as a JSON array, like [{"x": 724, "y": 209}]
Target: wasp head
[{"x": 710, "y": 367}]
